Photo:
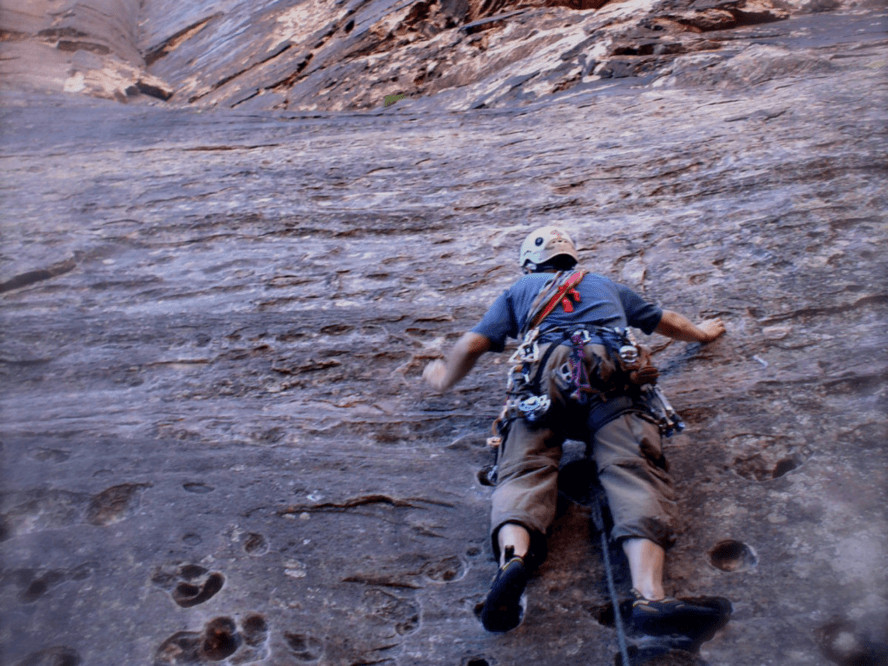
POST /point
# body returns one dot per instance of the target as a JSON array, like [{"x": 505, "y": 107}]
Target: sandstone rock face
[
  {"x": 360, "y": 54},
  {"x": 216, "y": 447}
]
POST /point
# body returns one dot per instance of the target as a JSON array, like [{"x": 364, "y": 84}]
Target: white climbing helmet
[{"x": 543, "y": 244}]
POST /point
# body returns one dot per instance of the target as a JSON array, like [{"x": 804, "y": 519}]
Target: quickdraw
[
  {"x": 575, "y": 372},
  {"x": 521, "y": 401},
  {"x": 660, "y": 411}
]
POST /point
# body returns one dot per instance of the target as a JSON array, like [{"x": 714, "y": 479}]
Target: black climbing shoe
[
  {"x": 669, "y": 616},
  {"x": 502, "y": 609}
]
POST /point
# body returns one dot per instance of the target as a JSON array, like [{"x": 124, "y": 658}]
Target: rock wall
[
  {"x": 360, "y": 54},
  {"x": 216, "y": 447},
  {"x": 76, "y": 47}
]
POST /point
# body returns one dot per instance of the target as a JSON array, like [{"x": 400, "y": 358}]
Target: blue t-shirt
[{"x": 603, "y": 302}]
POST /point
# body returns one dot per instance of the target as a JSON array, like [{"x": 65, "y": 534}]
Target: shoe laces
[{"x": 641, "y": 600}]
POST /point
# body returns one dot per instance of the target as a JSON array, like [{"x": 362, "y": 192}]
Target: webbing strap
[
  {"x": 538, "y": 312},
  {"x": 604, "y": 412}
]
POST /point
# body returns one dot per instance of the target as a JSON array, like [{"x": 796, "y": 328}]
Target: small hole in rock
[
  {"x": 220, "y": 639},
  {"x": 784, "y": 466},
  {"x": 732, "y": 555},
  {"x": 255, "y": 630},
  {"x": 604, "y": 615},
  {"x": 199, "y": 488},
  {"x": 35, "y": 590},
  {"x": 182, "y": 647},
  {"x": 477, "y": 661},
  {"x": 188, "y": 594},
  {"x": 186, "y": 591},
  {"x": 214, "y": 583},
  {"x": 191, "y": 571},
  {"x": 255, "y": 623},
  {"x": 304, "y": 647},
  {"x": 255, "y": 544},
  {"x": 192, "y": 539}
]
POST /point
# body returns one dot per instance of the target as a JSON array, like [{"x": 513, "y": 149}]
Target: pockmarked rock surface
[{"x": 216, "y": 447}]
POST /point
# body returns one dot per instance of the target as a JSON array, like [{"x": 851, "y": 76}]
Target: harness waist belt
[{"x": 605, "y": 412}]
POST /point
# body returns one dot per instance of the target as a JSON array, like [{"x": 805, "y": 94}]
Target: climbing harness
[
  {"x": 623, "y": 379},
  {"x": 636, "y": 377},
  {"x": 524, "y": 398}
]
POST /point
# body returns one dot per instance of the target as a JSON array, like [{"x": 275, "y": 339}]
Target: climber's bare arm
[
  {"x": 442, "y": 375},
  {"x": 679, "y": 327}
]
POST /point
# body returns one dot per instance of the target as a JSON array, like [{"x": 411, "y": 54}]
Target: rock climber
[{"x": 577, "y": 374}]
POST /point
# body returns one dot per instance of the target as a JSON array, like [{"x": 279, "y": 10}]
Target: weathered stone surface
[
  {"x": 216, "y": 447},
  {"x": 354, "y": 54}
]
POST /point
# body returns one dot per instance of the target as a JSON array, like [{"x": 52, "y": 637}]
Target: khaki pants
[{"x": 628, "y": 456}]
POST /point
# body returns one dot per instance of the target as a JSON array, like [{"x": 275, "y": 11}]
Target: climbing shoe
[
  {"x": 669, "y": 616},
  {"x": 502, "y": 609}
]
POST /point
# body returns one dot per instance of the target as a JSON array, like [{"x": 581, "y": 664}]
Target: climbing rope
[{"x": 598, "y": 519}]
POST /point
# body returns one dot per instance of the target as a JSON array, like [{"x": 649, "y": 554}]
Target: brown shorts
[{"x": 631, "y": 468}]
